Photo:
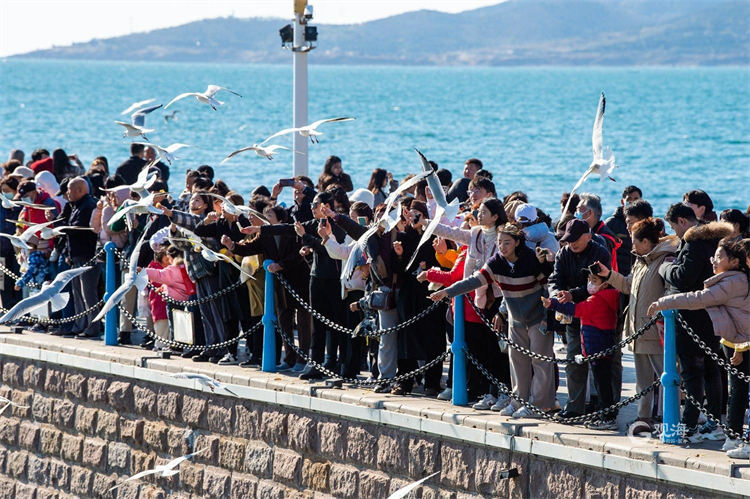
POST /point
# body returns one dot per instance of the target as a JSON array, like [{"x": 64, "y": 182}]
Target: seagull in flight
[
  {"x": 165, "y": 153},
  {"x": 143, "y": 182},
  {"x": 213, "y": 256},
  {"x": 49, "y": 293},
  {"x": 310, "y": 130},
  {"x": 22, "y": 240},
  {"x": 262, "y": 151},
  {"x": 236, "y": 209},
  {"x": 10, "y": 204},
  {"x": 603, "y": 163},
  {"x": 9, "y": 403},
  {"x": 206, "y": 97},
  {"x": 137, "y": 126},
  {"x": 140, "y": 207},
  {"x": 204, "y": 380},
  {"x": 137, "y": 105},
  {"x": 47, "y": 232},
  {"x": 404, "y": 491},
  {"x": 163, "y": 470},
  {"x": 171, "y": 116}
]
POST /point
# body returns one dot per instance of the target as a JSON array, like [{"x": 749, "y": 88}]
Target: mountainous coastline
[{"x": 516, "y": 32}]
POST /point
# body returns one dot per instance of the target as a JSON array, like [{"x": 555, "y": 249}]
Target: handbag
[{"x": 182, "y": 321}]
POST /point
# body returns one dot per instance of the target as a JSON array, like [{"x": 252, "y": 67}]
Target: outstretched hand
[
  {"x": 439, "y": 295},
  {"x": 546, "y": 301},
  {"x": 653, "y": 308}
]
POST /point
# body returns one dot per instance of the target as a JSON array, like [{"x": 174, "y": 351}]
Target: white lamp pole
[{"x": 299, "y": 52}]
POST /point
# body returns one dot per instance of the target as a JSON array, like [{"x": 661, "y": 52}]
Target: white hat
[
  {"x": 363, "y": 195},
  {"x": 526, "y": 213},
  {"x": 23, "y": 172},
  {"x": 159, "y": 238}
]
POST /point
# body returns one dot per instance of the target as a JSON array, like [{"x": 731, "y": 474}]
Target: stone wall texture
[{"x": 84, "y": 432}]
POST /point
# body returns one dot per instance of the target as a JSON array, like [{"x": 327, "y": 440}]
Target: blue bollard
[
  {"x": 460, "y": 390},
  {"x": 110, "y": 321},
  {"x": 670, "y": 381},
  {"x": 269, "y": 323}
]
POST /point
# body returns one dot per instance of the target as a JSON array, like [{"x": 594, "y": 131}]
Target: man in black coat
[
  {"x": 617, "y": 226},
  {"x": 687, "y": 272},
  {"x": 460, "y": 187},
  {"x": 568, "y": 284},
  {"x": 130, "y": 169}
]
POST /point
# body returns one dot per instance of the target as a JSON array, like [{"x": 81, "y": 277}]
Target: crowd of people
[{"x": 590, "y": 280}]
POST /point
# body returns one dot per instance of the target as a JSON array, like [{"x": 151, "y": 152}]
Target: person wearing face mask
[
  {"x": 598, "y": 316},
  {"x": 28, "y": 192},
  {"x": 8, "y": 295},
  {"x": 518, "y": 271},
  {"x": 589, "y": 210}
]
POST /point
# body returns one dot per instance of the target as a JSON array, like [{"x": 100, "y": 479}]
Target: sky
[{"x": 27, "y": 25}]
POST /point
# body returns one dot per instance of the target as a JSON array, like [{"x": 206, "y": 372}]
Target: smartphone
[
  {"x": 362, "y": 221},
  {"x": 595, "y": 268},
  {"x": 286, "y": 182},
  {"x": 323, "y": 222}
]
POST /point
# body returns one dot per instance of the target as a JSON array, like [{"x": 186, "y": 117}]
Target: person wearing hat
[
  {"x": 538, "y": 234},
  {"x": 22, "y": 173},
  {"x": 568, "y": 284},
  {"x": 28, "y": 192}
]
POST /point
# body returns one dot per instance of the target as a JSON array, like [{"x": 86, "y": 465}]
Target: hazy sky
[{"x": 27, "y": 25}]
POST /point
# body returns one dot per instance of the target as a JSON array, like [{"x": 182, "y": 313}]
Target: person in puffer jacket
[
  {"x": 538, "y": 234},
  {"x": 598, "y": 314}
]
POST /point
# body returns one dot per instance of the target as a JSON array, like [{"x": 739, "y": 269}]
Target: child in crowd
[{"x": 598, "y": 314}]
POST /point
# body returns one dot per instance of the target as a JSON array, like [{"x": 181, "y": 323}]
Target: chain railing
[
  {"x": 354, "y": 381},
  {"x": 178, "y": 344},
  {"x": 727, "y": 430},
  {"x": 593, "y": 416},
  {"x": 55, "y": 322},
  {"x": 338, "y": 327},
  {"x": 710, "y": 352},
  {"x": 579, "y": 359},
  {"x": 5, "y": 270}
]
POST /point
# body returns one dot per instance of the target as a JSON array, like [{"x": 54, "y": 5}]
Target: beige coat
[
  {"x": 645, "y": 286},
  {"x": 725, "y": 297}
]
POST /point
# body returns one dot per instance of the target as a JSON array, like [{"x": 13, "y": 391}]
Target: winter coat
[
  {"x": 340, "y": 251},
  {"x": 725, "y": 297},
  {"x": 156, "y": 302},
  {"x": 598, "y": 315},
  {"x": 452, "y": 276},
  {"x": 570, "y": 270},
  {"x": 539, "y": 236},
  {"x": 83, "y": 243},
  {"x": 616, "y": 224},
  {"x": 611, "y": 241},
  {"x": 130, "y": 169},
  {"x": 197, "y": 267},
  {"x": 36, "y": 270},
  {"x": 174, "y": 278},
  {"x": 645, "y": 286}
]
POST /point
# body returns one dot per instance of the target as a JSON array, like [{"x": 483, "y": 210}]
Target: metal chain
[
  {"x": 33, "y": 285},
  {"x": 702, "y": 344},
  {"x": 53, "y": 322},
  {"x": 337, "y": 327},
  {"x": 355, "y": 381},
  {"x": 178, "y": 344},
  {"x": 553, "y": 418},
  {"x": 580, "y": 359},
  {"x": 727, "y": 430}
]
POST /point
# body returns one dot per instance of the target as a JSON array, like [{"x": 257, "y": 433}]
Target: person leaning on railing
[
  {"x": 726, "y": 299},
  {"x": 644, "y": 285}
]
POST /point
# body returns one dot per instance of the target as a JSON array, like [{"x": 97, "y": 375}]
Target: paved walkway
[{"x": 697, "y": 464}]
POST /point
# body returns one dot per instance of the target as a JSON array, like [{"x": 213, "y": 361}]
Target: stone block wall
[{"x": 84, "y": 432}]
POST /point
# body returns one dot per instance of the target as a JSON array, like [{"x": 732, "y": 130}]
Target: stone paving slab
[{"x": 613, "y": 449}]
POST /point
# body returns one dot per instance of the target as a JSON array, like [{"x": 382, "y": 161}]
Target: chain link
[
  {"x": 552, "y": 418},
  {"x": 34, "y": 285},
  {"x": 727, "y": 430},
  {"x": 337, "y": 327},
  {"x": 355, "y": 381},
  {"x": 188, "y": 346},
  {"x": 702, "y": 344},
  {"x": 53, "y": 322},
  {"x": 579, "y": 359}
]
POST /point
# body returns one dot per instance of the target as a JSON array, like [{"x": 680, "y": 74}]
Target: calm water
[{"x": 671, "y": 129}]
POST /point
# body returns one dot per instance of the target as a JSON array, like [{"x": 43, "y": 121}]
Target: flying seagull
[
  {"x": 442, "y": 210},
  {"x": 604, "y": 160},
  {"x": 206, "y": 97},
  {"x": 46, "y": 232},
  {"x": 213, "y": 256},
  {"x": 142, "y": 183},
  {"x": 163, "y": 470},
  {"x": 49, "y": 293},
  {"x": 140, "y": 207},
  {"x": 236, "y": 209},
  {"x": 132, "y": 278},
  {"x": 310, "y": 130},
  {"x": 137, "y": 126},
  {"x": 22, "y": 241},
  {"x": 404, "y": 491},
  {"x": 171, "y": 116},
  {"x": 262, "y": 151},
  {"x": 137, "y": 105},
  {"x": 204, "y": 380},
  {"x": 10, "y": 204},
  {"x": 166, "y": 153}
]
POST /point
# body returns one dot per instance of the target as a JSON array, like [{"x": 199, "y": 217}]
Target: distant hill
[{"x": 516, "y": 32}]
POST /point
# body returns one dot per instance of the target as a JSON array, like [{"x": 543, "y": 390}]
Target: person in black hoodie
[
  {"x": 304, "y": 193},
  {"x": 132, "y": 166},
  {"x": 687, "y": 272},
  {"x": 617, "y": 226},
  {"x": 568, "y": 284}
]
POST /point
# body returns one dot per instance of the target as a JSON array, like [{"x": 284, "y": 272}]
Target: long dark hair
[
  {"x": 376, "y": 180},
  {"x": 60, "y": 163},
  {"x": 496, "y": 208},
  {"x": 735, "y": 249}
]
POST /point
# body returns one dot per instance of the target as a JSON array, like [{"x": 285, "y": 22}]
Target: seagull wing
[
  {"x": 26, "y": 305},
  {"x": 137, "y": 105},
  {"x": 316, "y": 124},
  {"x": 182, "y": 96},
  {"x": 401, "y": 188},
  {"x": 404, "y": 491},
  {"x": 238, "y": 151},
  {"x": 127, "y": 125},
  {"x": 275, "y": 147},
  {"x": 596, "y": 136},
  {"x": 279, "y": 133},
  {"x": 428, "y": 231},
  {"x": 16, "y": 241},
  {"x": 139, "y": 117},
  {"x": 212, "y": 90},
  {"x": 433, "y": 182},
  {"x": 33, "y": 229},
  {"x": 174, "y": 147},
  {"x": 35, "y": 206},
  {"x": 138, "y": 476}
]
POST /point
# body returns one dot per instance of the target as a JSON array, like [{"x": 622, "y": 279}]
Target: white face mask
[
  {"x": 8, "y": 195},
  {"x": 592, "y": 288}
]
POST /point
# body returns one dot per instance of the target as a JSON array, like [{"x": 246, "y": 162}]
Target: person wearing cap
[
  {"x": 589, "y": 210},
  {"x": 28, "y": 192},
  {"x": 568, "y": 284},
  {"x": 538, "y": 234},
  {"x": 22, "y": 173}
]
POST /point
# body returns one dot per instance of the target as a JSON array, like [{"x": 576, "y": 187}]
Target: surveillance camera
[{"x": 308, "y": 12}]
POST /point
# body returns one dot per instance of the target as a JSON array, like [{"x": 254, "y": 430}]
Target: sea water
[{"x": 671, "y": 129}]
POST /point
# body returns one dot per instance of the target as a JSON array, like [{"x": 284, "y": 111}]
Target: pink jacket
[
  {"x": 725, "y": 297},
  {"x": 172, "y": 278},
  {"x": 158, "y": 305}
]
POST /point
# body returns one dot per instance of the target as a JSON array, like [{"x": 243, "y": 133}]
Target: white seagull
[
  {"x": 132, "y": 278},
  {"x": 49, "y": 293},
  {"x": 206, "y": 97},
  {"x": 213, "y": 256},
  {"x": 10, "y": 204},
  {"x": 310, "y": 130},
  {"x": 604, "y": 160},
  {"x": 137, "y": 126},
  {"x": 163, "y": 470},
  {"x": 140, "y": 207},
  {"x": 171, "y": 116},
  {"x": 9, "y": 403},
  {"x": 262, "y": 151},
  {"x": 404, "y": 491},
  {"x": 236, "y": 209},
  {"x": 46, "y": 232},
  {"x": 22, "y": 240},
  {"x": 137, "y": 105},
  {"x": 166, "y": 153},
  {"x": 142, "y": 183},
  {"x": 204, "y": 380}
]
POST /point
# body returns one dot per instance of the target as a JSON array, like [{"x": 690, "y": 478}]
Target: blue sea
[{"x": 671, "y": 129}]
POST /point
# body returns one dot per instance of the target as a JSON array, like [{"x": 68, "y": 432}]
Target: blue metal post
[
  {"x": 460, "y": 390},
  {"x": 269, "y": 323},
  {"x": 670, "y": 381},
  {"x": 110, "y": 321}
]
